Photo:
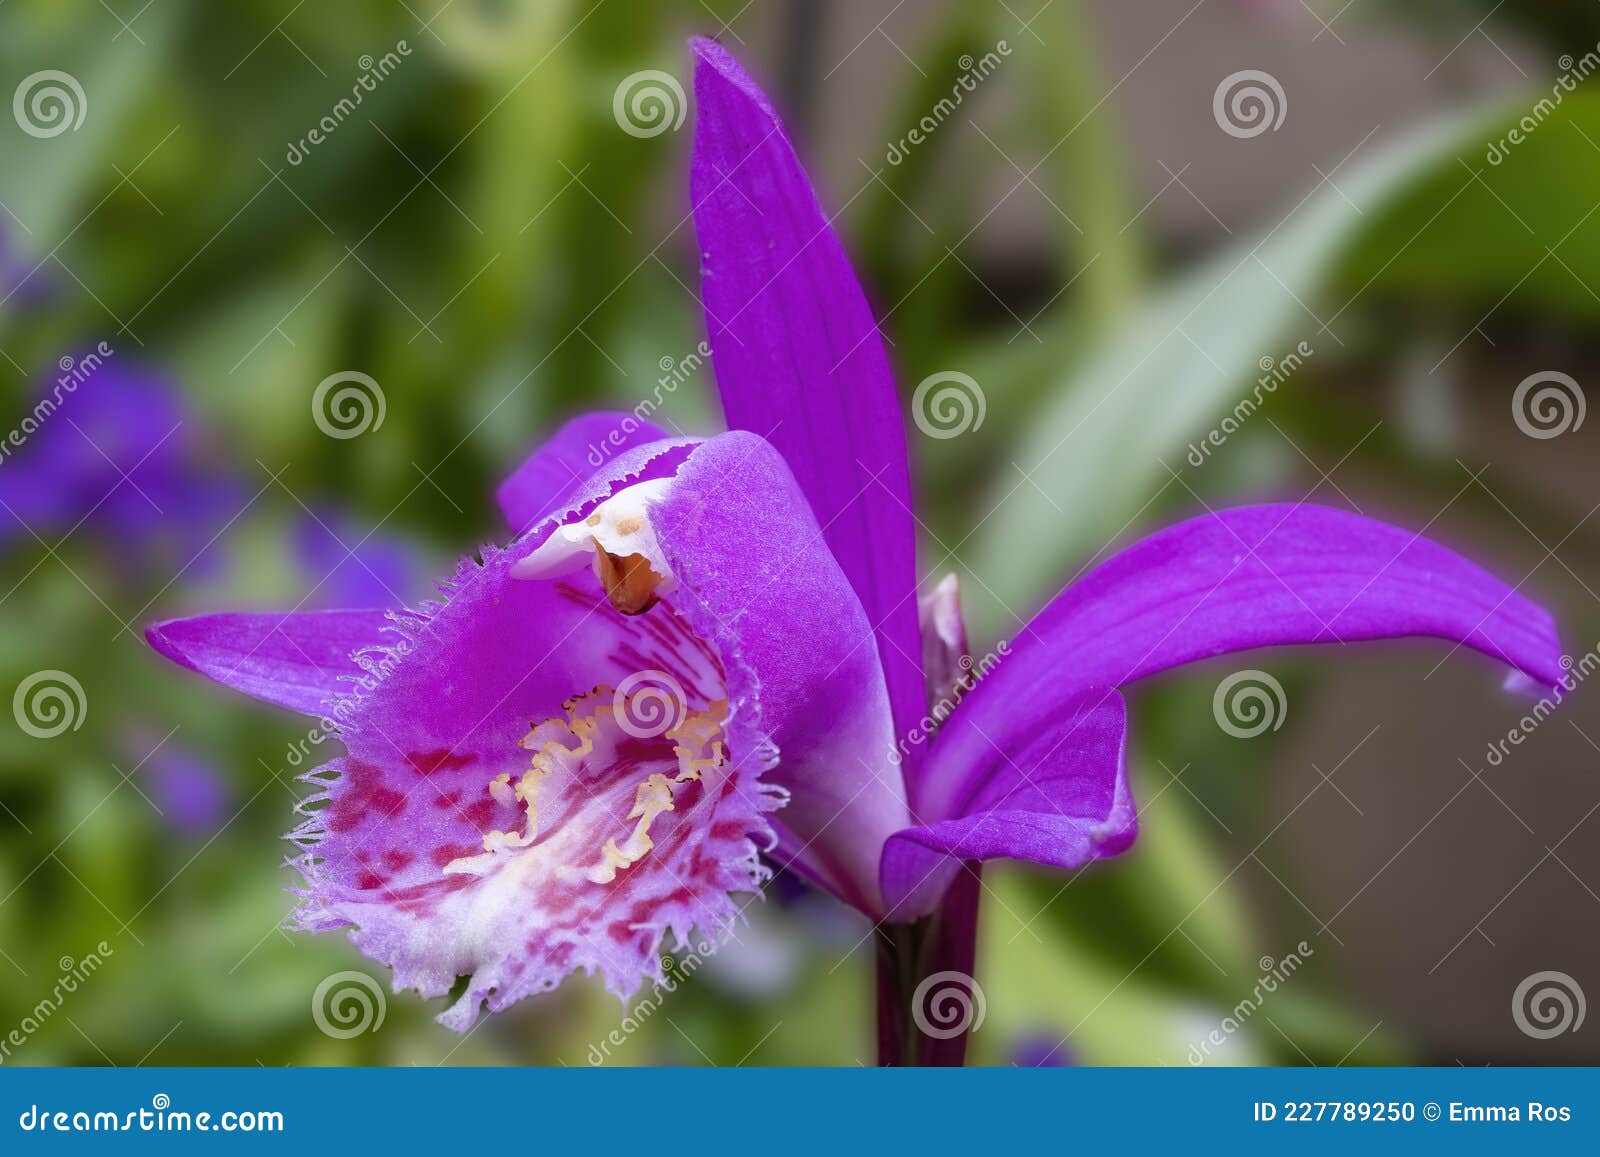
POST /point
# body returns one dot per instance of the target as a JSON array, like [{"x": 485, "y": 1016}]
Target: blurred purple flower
[
  {"x": 110, "y": 449},
  {"x": 192, "y": 796},
  {"x": 705, "y": 630},
  {"x": 1041, "y": 1050},
  {"x": 23, "y": 282},
  {"x": 346, "y": 568}
]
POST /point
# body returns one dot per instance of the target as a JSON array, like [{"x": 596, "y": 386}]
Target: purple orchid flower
[{"x": 719, "y": 647}]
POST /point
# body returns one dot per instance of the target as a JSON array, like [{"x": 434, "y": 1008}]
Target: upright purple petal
[
  {"x": 300, "y": 661},
  {"x": 798, "y": 357},
  {"x": 1250, "y": 577},
  {"x": 553, "y": 472}
]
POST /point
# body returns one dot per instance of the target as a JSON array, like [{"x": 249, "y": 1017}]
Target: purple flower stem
[{"x": 909, "y": 953}]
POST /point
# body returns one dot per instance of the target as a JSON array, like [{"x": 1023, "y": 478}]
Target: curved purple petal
[
  {"x": 1250, "y": 577},
  {"x": 1050, "y": 787},
  {"x": 557, "y": 469},
  {"x": 798, "y": 357},
  {"x": 301, "y": 661}
]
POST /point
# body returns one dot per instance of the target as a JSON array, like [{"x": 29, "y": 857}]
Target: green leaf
[
  {"x": 44, "y": 180},
  {"x": 1504, "y": 219},
  {"x": 1094, "y": 455}
]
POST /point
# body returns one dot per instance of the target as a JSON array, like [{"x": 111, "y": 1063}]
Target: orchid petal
[
  {"x": 1050, "y": 787},
  {"x": 798, "y": 356},
  {"x": 300, "y": 661},
  {"x": 1238, "y": 579}
]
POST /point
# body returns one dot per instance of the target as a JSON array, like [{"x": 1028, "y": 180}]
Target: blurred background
[{"x": 1374, "y": 221}]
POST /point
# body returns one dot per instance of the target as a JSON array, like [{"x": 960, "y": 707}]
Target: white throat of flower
[{"x": 620, "y": 540}]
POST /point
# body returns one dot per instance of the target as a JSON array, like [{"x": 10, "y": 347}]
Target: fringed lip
[
  {"x": 422, "y": 838},
  {"x": 501, "y": 815}
]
